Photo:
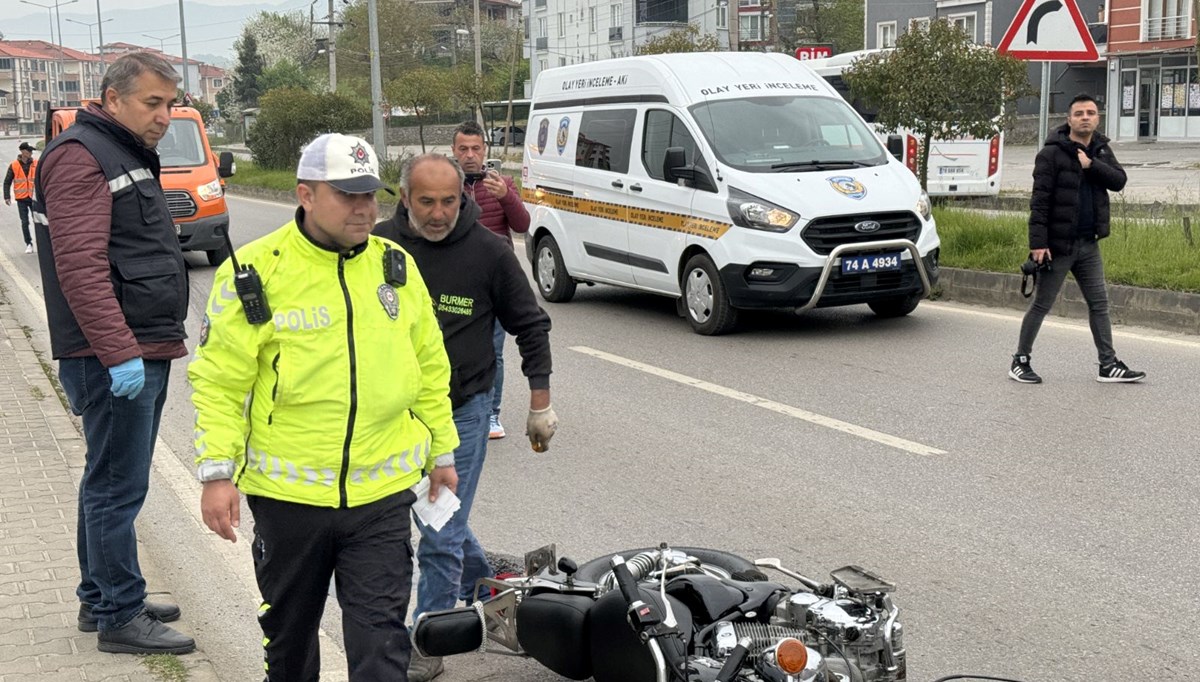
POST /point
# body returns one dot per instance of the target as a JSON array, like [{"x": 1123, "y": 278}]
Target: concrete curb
[{"x": 1171, "y": 311}]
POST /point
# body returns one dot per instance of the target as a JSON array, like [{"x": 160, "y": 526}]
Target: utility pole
[
  {"x": 91, "y": 45},
  {"x": 478, "y": 68},
  {"x": 100, "y": 32},
  {"x": 53, "y": 9},
  {"x": 332, "y": 42},
  {"x": 183, "y": 48},
  {"x": 377, "y": 132}
]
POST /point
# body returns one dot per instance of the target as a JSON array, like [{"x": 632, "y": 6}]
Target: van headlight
[
  {"x": 210, "y": 191},
  {"x": 924, "y": 208},
  {"x": 747, "y": 210}
]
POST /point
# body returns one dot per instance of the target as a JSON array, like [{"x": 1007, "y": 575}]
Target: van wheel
[
  {"x": 705, "y": 301},
  {"x": 895, "y": 307},
  {"x": 217, "y": 256},
  {"x": 553, "y": 281}
]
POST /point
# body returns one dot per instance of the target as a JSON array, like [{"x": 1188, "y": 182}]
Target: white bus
[{"x": 963, "y": 167}]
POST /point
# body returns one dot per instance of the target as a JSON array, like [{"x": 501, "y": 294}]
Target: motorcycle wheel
[{"x": 594, "y": 570}]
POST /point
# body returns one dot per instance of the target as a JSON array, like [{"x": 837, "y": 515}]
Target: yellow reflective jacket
[{"x": 348, "y": 385}]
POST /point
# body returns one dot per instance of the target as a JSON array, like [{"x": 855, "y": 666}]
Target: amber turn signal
[{"x": 791, "y": 656}]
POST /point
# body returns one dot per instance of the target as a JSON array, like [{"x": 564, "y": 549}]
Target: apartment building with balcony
[
  {"x": 1153, "y": 84},
  {"x": 562, "y": 32},
  {"x": 26, "y": 79},
  {"x": 985, "y": 22}
]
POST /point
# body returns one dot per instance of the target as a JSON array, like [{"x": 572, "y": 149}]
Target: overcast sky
[{"x": 12, "y": 9}]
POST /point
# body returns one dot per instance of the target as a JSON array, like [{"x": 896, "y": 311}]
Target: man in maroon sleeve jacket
[
  {"x": 116, "y": 297},
  {"x": 502, "y": 212}
]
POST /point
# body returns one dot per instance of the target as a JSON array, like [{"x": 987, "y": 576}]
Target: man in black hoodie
[
  {"x": 475, "y": 280},
  {"x": 1068, "y": 214}
]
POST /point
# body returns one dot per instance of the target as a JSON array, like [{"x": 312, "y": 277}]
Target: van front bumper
[
  {"x": 203, "y": 234},
  {"x": 792, "y": 286}
]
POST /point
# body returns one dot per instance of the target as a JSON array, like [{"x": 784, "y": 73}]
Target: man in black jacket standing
[
  {"x": 474, "y": 279},
  {"x": 1068, "y": 215}
]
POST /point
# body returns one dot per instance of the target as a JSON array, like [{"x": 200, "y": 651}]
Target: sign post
[{"x": 1048, "y": 31}]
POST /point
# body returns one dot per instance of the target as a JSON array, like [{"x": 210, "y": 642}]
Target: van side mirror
[
  {"x": 676, "y": 168},
  {"x": 895, "y": 147},
  {"x": 225, "y": 166}
]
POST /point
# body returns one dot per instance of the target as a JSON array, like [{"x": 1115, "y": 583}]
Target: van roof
[{"x": 680, "y": 79}]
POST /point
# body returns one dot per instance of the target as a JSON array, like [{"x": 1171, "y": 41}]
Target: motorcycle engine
[{"x": 861, "y": 631}]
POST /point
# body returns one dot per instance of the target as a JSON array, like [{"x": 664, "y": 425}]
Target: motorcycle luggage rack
[
  {"x": 860, "y": 580},
  {"x": 500, "y": 616}
]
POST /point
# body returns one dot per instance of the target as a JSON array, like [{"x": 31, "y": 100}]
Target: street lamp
[
  {"x": 161, "y": 41},
  {"x": 91, "y": 45},
  {"x": 54, "y": 15}
]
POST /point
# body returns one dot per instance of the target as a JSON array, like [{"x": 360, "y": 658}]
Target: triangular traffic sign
[{"x": 1049, "y": 31}]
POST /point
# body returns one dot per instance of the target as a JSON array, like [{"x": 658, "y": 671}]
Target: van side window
[
  {"x": 664, "y": 129},
  {"x": 605, "y": 138}
]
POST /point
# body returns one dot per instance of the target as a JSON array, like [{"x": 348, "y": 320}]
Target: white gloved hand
[{"x": 540, "y": 427}]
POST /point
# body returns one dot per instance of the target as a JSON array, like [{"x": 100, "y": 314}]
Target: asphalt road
[{"x": 1036, "y": 532}]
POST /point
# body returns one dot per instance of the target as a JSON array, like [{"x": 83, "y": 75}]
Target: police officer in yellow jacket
[{"x": 342, "y": 360}]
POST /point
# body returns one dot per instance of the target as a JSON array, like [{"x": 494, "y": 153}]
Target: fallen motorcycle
[{"x": 682, "y": 614}]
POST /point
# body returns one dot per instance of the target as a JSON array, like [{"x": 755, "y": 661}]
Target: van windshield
[
  {"x": 182, "y": 145},
  {"x": 787, "y": 134}
]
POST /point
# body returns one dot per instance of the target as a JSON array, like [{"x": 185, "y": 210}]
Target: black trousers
[{"x": 367, "y": 550}]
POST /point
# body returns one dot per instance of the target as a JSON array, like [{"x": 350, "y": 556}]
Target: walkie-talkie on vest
[{"x": 249, "y": 287}]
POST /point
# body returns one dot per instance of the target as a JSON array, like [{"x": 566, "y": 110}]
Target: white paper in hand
[{"x": 434, "y": 514}]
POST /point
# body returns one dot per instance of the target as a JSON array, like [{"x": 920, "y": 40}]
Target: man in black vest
[{"x": 116, "y": 297}]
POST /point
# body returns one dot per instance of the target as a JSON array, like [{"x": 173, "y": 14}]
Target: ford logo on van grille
[{"x": 867, "y": 226}]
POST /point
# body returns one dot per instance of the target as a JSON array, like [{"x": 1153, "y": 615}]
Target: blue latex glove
[{"x": 128, "y": 378}]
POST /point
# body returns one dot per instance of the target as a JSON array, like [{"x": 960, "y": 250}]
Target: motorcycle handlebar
[{"x": 625, "y": 580}]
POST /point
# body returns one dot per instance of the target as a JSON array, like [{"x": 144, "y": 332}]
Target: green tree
[
  {"x": 686, "y": 39},
  {"x": 247, "y": 72},
  {"x": 962, "y": 89},
  {"x": 407, "y": 33},
  {"x": 290, "y": 117},
  {"x": 423, "y": 91},
  {"x": 826, "y": 22},
  {"x": 285, "y": 74}
]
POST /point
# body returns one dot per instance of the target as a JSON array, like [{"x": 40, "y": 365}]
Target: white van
[{"x": 725, "y": 180}]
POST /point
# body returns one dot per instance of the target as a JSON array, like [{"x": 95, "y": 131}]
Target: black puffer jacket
[{"x": 1056, "y": 178}]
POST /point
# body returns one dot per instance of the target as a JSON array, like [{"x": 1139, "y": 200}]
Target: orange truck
[{"x": 192, "y": 178}]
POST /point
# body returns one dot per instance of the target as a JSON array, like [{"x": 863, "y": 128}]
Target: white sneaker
[
  {"x": 29, "y": 248},
  {"x": 495, "y": 429}
]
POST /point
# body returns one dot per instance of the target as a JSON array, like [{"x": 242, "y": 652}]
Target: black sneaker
[
  {"x": 1022, "y": 372},
  {"x": 1117, "y": 373}
]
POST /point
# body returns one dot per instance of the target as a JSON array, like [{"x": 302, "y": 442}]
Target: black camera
[{"x": 1031, "y": 267}]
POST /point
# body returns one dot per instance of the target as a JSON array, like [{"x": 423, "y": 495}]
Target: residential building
[
  {"x": 562, "y": 32},
  {"x": 26, "y": 80},
  {"x": 213, "y": 80},
  {"x": 986, "y": 21},
  {"x": 1153, "y": 84}
]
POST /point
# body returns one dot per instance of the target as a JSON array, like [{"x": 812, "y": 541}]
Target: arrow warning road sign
[{"x": 1049, "y": 31}]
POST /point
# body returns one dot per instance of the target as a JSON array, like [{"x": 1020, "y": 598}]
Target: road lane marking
[
  {"x": 1072, "y": 325},
  {"x": 750, "y": 399},
  {"x": 182, "y": 482}
]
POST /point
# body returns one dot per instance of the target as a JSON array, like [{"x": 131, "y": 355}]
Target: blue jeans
[
  {"x": 498, "y": 335},
  {"x": 451, "y": 560},
  {"x": 120, "y": 435},
  {"x": 24, "y": 206}
]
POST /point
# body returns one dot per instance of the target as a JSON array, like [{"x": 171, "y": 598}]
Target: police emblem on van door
[
  {"x": 391, "y": 304},
  {"x": 543, "y": 135},
  {"x": 564, "y": 128},
  {"x": 848, "y": 186},
  {"x": 867, "y": 226}
]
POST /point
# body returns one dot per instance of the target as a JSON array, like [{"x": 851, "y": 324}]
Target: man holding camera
[
  {"x": 1068, "y": 215},
  {"x": 502, "y": 212}
]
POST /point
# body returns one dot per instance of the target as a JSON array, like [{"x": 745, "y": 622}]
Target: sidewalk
[{"x": 41, "y": 458}]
